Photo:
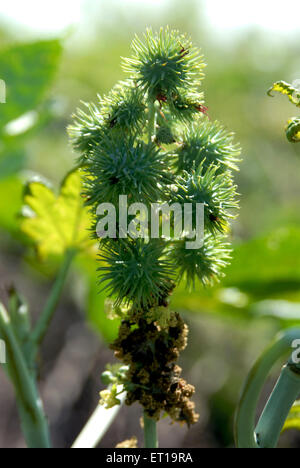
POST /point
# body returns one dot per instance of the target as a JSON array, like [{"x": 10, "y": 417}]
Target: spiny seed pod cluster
[{"x": 150, "y": 139}]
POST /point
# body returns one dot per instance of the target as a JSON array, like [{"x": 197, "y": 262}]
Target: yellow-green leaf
[
  {"x": 57, "y": 223},
  {"x": 288, "y": 90}
]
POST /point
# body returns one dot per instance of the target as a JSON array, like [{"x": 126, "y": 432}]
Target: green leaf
[
  {"x": 97, "y": 314},
  {"x": 282, "y": 310},
  {"x": 27, "y": 70},
  {"x": 11, "y": 163},
  {"x": 95, "y": 302},
  {"x": 56, "y": 224},
  {"x": 267, "y": 266},
  {"x": 11, "y": 189},
  {"x": 262, "y": 281},
  {"x": 293, "y": 420},
  {"x": 220, "y": 301}
]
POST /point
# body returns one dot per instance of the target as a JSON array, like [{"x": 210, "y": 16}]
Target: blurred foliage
[
  {"x": 263, "y": 282},
  {"x": 265, "y": 266},
  {"x": 11, "y": 187},
  {"x": 27, "y": 70},
  {"x": 95, "y": 301}
]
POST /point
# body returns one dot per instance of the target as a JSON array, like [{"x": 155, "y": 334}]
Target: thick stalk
[
  {"x": 98, "y": 424},
  {"x": 272, "y": 420},
  {"x": 150, "y": 433},
  {"x": 20, "y": 364},
  {"x": 33, "y": 420},
  {"x": 245, "y": 432},
  {"x": 150, "y": 426}
]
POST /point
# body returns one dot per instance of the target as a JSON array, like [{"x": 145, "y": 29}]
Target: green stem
[
  {"x": 152, "y": 115},
  {"x": 245, "y": 418},
  {"x": 150, "y": 432},
  {"x": 33, "y": 420},
  {"x": 46, "y": 316},
  {"x": 278, "y": 407}
]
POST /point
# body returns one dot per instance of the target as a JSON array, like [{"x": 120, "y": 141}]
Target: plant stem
[
  {"x": 245, "y": 433},
  {"x": 150, "y": 432},
  {"x": 151, "y": 120},
  {"x": 20, "y": 365},
  {"x": 33, "y": 420},
  {"x": 98, "y": 425},
  {"x": 278, "y": 407},
  {"x": 44, "y": 321}
]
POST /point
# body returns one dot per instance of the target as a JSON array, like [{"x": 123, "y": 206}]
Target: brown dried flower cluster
[{"x": 154, "y": 380}]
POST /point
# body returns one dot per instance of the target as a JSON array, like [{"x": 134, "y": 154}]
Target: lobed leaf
[{"x": 56, "y": 224}]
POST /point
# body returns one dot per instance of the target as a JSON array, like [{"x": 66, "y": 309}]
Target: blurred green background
[{"x": 70, "y": 51}]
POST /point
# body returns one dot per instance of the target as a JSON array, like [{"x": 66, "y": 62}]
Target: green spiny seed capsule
[
  {"x": 205, "y": 264},
  {"x": 124, "y": 108},
  {"x": 118, "y": 141},
  {"x": 163, "y": 63},
  {"x": 187, "y": 105},
  {"x": 120, "y": 166},
  {"x": 207, "y": 143},
  {"x": 136, "y": 272},
  {"x": 87, "y": 130},
  {"x": 216, "y": 191}
]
